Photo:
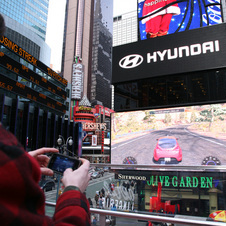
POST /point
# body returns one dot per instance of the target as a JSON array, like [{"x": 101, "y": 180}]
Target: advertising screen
[
  {"x": 162, "y": 17},
  {"x": 185, "y": 136},
  {"x": 188, "y": 51}
]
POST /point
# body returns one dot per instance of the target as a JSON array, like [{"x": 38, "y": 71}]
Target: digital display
[
  {"x": 27, "y": 92},
  {"x": 189, "y": 51},
  {"x": 159, "y": 18},
  {"x": 183, "y": 136},
  {"x": 25, "y": 72},
  {"x": 21, "y": 52},
  {"x": 60, "y": 163}
]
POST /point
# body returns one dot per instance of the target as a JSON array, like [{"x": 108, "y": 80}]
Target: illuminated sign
[
  {"x": 30, "y": 75},
  {"x": 183, "y": 51},
  {"x": 184, "y": 182},
  {"x": 11, "y": 45},
  {"x": 18, "y": 50},
  {"x": 82, "y": 108},
  {"x": 25, "y": 91},
  {"x": 103, "y": 110},
  {"x": 94, "y": 140},
  {"x": 77, "y": 81},
  {"x": 94, "y": 126},
  {"x": 193, "y": 50},
  {"x": 171, "y": 181},
  {"x": 131, "y": 177}
]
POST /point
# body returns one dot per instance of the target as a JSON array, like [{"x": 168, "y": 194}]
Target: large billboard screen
[
  {"x": 194, "y": 50},
  {"x": 161, "y": 17},
  {"x": 183, "y": 136}
]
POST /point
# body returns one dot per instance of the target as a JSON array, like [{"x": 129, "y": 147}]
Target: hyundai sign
[{"x": 188, "y": 51}]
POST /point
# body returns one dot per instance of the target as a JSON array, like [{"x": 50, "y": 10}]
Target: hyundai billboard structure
[
  {"x": 190, "y": 44},
  {"x": 170, "y": 108}
]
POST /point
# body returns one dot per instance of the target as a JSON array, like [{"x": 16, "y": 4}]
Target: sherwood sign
[{"x": 194, "y": 50}]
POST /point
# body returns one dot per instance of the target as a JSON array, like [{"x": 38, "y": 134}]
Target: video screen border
[{"x": 214, "y": 163}]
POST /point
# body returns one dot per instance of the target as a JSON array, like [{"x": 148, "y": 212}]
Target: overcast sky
[
  {"x": 123, "y": 6},
  {"x": 55, "y": 25}
]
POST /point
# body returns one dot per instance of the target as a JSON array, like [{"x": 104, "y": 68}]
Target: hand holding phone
[
  {"x": 42, "y": 159},
  {"x": 59, "y": 163},
  {"x": 79, "y": 178}
]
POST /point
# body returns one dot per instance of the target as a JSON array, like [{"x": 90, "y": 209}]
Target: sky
[
  {"x": 123, "y": 6},
  {"x": 55, "y": 25},
  {"x": 54, "y": 31}
]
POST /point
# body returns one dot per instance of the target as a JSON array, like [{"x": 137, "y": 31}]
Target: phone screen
[{"x": 60, "y": 163}]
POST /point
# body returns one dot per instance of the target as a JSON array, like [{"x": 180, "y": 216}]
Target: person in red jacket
[
  {"x": 157, "y": 24},
  {"x": 22, "y": 201}
]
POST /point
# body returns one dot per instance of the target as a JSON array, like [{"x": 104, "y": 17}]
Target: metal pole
[
  {"x": 102, "y": 220},
  {"x": 58, "y": 186}
]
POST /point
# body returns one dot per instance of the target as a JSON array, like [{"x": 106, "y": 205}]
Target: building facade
[
  {"x": 30, "y": 14},
  {"x": 125, "y": 28},
  {"x": 96, "y": 130},
  {"x": 88, "y": 41},
  {"x": 26, "y": 23},
  {"x": 33, "y": 99},
  {"x": 101, "y": 55}
]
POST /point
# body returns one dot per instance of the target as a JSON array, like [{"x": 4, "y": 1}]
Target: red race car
[{"x": 167, "y": 150}]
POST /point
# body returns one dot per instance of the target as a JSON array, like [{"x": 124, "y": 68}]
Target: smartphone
[{"x": 59, "y": 163}]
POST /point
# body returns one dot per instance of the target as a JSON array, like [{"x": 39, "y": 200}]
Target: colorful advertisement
[
  {"x": 161, "y": 17},
  {"x": 184, "y": 136}
]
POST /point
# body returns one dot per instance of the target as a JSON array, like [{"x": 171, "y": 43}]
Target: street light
[
  {"x": 63, "y": 150},
  {"x": 62, "y": 145}
]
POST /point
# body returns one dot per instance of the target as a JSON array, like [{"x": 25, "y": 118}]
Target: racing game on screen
[
  {"x": 161, "y": 17},
  {"x": 186, "y": 136}
]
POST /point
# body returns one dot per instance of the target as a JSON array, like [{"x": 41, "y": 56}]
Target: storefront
[
  {"x": 96, "y": 131},
  {"x": 176, "y": 193}
]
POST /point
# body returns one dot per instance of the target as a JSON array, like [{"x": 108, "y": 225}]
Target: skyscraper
[
  {"x": 26, "y": 23},
  {"x": 101, "y": 54},
  {"x": 33, "y": 97},
  {"x": 31, "y": 14},
  {"x": 88, "y": 42},
  {"x": 125, "y": 28}
]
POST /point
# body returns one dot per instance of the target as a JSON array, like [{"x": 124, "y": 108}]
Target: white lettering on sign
[
  {"x": 77, "y": 81},
  {"x": 214, "y": 13},
  {"x": 122, "y": 198},
  {"x": 184, "y": 51},
  {"x": 94, "y": 126}
]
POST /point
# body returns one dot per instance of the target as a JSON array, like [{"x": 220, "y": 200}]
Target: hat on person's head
[{"x": 2, "y": 26}]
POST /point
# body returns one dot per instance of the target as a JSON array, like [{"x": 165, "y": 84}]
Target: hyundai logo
[{"x": 131, "y": 61}]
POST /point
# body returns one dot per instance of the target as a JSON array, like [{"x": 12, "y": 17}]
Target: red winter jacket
[
  {"x": 151, "y": 6},
  {"x": 22, "y": 201}
]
